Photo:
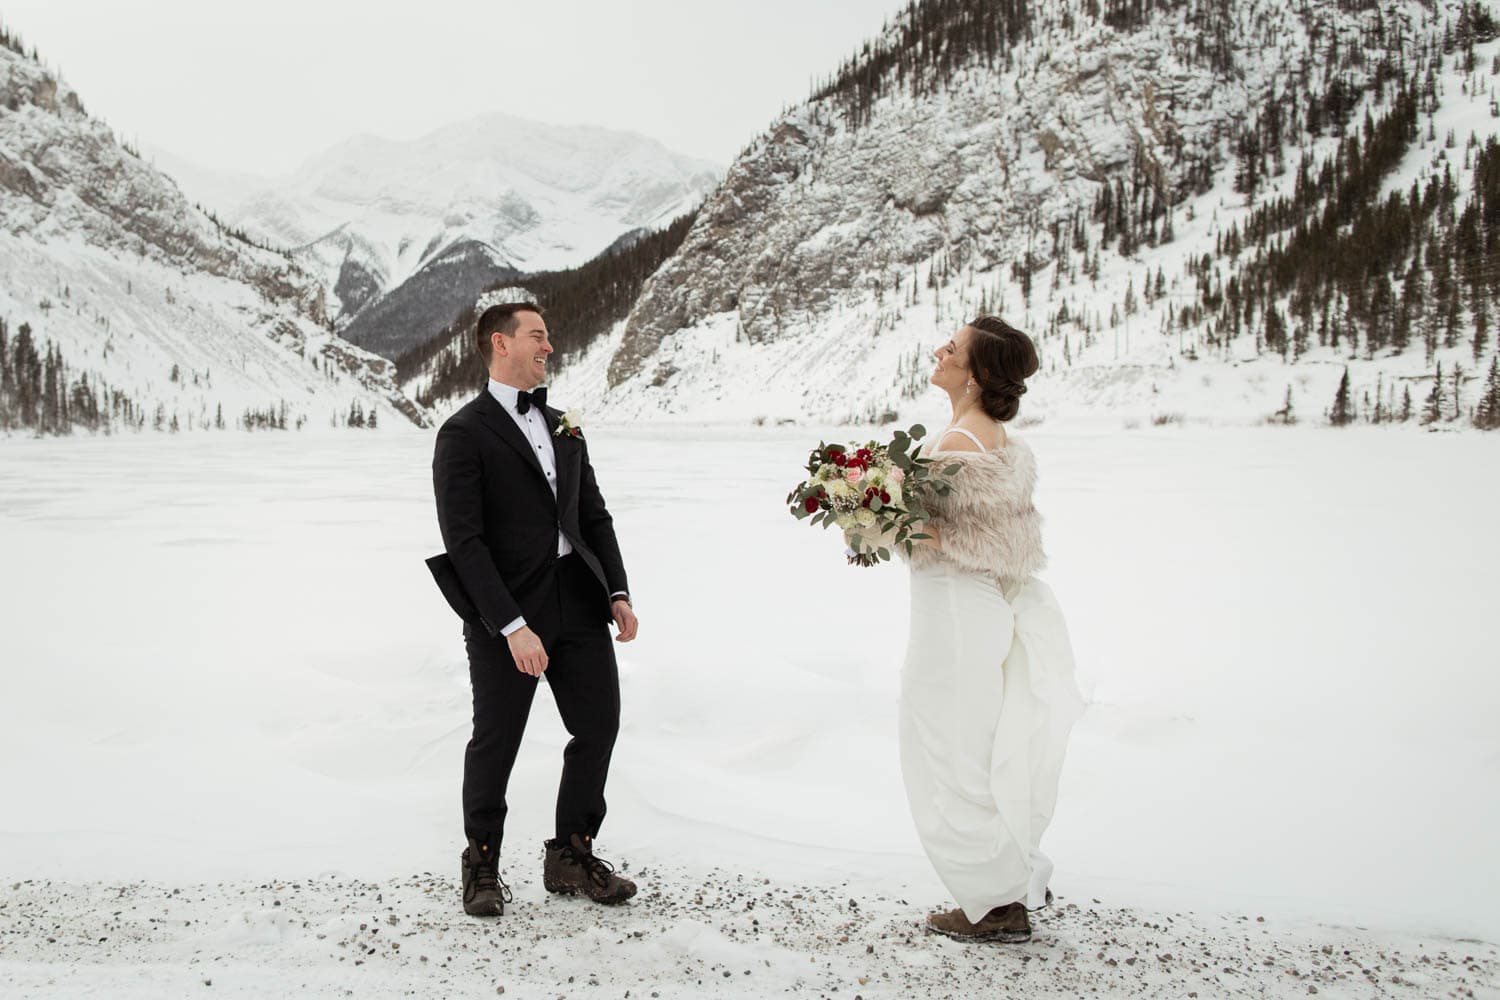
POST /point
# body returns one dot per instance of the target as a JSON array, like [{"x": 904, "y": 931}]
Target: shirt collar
[{"x": 505, "y": 395}]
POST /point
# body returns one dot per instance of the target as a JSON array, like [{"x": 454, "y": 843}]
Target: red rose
[
  {"x": 838, "y": 458},
  {"x": 811, "y": 503},
  {"x": 885, "y": 497}
]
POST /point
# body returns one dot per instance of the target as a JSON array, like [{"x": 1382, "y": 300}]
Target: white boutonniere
[{"x": 568, "y": 425}]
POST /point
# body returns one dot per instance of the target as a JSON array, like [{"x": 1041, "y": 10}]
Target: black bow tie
[{"x": 526, "y": 400}]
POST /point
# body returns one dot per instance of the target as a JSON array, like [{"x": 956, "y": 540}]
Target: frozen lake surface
[{"x": 224, "y": 660}]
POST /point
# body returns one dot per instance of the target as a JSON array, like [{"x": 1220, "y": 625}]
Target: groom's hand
[
  {"x": 625, "y": 620},
  {"x": 526, "y": 649}
]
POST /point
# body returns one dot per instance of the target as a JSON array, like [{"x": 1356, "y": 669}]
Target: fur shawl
[{"x": 988, "y": 524}]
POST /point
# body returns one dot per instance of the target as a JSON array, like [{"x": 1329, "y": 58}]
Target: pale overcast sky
[{"x": 260, "y": 86}]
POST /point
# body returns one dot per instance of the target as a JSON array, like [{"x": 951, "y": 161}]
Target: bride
[{"x": 987, "y": 688}]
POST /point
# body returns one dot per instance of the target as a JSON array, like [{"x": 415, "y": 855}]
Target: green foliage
[{"x": 921, "y": 480}]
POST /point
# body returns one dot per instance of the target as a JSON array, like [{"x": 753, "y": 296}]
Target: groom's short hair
[{"x": 500, "y": 317}]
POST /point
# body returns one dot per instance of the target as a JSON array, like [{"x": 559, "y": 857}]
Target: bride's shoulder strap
[{"x": 966, "y": 433}]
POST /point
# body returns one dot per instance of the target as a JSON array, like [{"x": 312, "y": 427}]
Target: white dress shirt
[{"x": 534, "y": 428}]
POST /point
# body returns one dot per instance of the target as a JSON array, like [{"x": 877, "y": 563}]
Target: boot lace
[
  {"x": 486, "y": 877},
  {"x": 599, "y": 870}
]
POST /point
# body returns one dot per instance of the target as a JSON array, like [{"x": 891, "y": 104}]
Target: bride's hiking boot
[
  {"x": 572, "y": 866},
  {"x": 1007, "y": 923},
  {"x": 485, "y": 895}
]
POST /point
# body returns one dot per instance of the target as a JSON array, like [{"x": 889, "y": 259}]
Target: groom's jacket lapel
[
  {"x": 496, "y": 419},
  {"x": 568, "y": 455}
]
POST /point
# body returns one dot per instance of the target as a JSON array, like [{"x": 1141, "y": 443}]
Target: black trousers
[{"x": 585, "y": 684}]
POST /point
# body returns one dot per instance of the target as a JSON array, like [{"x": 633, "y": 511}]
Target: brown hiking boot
[
  {"x": 1007, "y": 923},
  {"x": 574, "y": 867},
  {"x": 485, "y": 895}
]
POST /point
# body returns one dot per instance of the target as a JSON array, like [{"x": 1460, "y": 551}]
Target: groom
[{"x": 534, "y": 548}]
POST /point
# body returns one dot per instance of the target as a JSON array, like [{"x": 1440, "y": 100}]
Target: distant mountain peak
[
  {"x": 153, "y": 313},
  {"x": 542, "y": 196}
]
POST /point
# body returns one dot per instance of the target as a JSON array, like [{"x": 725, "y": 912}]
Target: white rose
[{"x": 839, "y": 488}]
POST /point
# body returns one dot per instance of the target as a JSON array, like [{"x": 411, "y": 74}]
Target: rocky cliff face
[
  {"x": 103, "y": 256},
  {"x": 1071, "y": 172}
]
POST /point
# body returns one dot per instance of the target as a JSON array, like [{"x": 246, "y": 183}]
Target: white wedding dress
[{"x": 988, "y": 697}]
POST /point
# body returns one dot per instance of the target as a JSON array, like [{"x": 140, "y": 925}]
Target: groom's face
[{"x": 520, "y": 359}]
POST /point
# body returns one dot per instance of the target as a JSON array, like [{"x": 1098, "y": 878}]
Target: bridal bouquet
[{"x": 873, "y": 491}]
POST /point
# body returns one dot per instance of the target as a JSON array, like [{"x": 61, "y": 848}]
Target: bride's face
[{"x": 952, "y": 370}]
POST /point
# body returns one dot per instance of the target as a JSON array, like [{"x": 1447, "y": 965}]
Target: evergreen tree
[
  {"x": 1343, "y": 411},
  {"x": 7, "y": 381},
  {"x": 1487, "y": 413},
  {"x": 26, "y": 367},
  {"x": 1286, "y": 415},
  {"x": 1432, "y": 411}
]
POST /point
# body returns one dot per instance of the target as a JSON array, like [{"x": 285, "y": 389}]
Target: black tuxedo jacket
[{"x": 500, "y": 520}]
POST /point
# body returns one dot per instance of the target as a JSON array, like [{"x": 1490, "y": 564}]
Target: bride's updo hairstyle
[{"x": 1001, "y": 359}]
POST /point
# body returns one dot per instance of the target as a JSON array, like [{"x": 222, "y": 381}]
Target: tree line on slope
[
  {"x": 42, "y": 394},
  {"x": 38, "y": 393},
  {"x": 582, "y": 304}
]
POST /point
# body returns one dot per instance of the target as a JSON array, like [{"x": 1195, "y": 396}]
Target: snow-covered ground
[{"x": 228, "y": 682}]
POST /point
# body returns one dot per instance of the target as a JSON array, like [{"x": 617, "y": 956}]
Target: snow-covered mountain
[
  {"x": 370, "y": 213},
  {"x": 1186, "y": 204},
  {"x": 584, "y": 304},
  {"x": 122, "y": 305}
]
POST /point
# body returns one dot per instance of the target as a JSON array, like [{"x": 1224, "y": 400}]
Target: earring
[{"x": 969, "y": 387}]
